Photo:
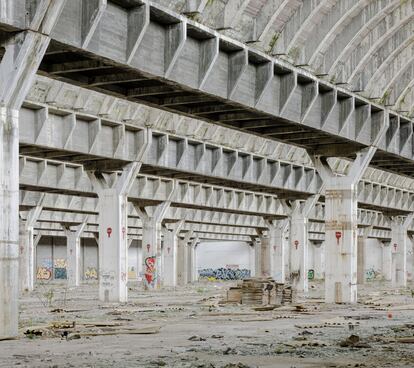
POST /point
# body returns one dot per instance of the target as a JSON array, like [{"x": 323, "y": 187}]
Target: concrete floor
[{"x": 235, "y": 336}]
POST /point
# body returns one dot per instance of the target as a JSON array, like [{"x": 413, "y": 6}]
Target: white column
[
  {"x": 257, "y": 257},
  {"x": 277, "y": 248},
  {"x": 341, "y": 226},
  {"x": 23, "y": 53},
  {"x": 191, "y": 260},
  {"x": 73, "y": 251},
  {"x": 399, "y": 227},
  {"x": 26, "y": 256},
  {"x": 151, "y": 218},
  {"x": 319, "y": 257},
  {"x": 361, "y": 259},
  {"x": 299, "y": 252},
  {"x": 410, "y": 259},
  {"x": 266, "y": 256},
  {"x": 387, "y": 261},
  {"x": 299, "y": 246},
  {"x": 170, "y": 252},
  {"x": 182, "y": 260},
  {"x": 252, "y": 261},
  {"x": 113, "y": 230},
  {"x": 361, "y": 251}
]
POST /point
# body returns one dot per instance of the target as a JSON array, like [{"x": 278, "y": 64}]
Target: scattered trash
[
  {"x": 197, "y": 338},
  {"x": 353, "y": 341}
]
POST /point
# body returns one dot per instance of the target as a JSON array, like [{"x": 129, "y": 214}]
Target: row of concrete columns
[{"x": 23, "y": 54}]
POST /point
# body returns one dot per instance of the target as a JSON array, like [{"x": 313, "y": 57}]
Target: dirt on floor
[{"x": 190, "y": 327}]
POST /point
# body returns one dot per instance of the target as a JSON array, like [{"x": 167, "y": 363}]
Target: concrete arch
[
  {"x": 304, "y": 18},
  {"x": 398, "y": 81},
  {"x": 352, "y": 27},
  {"x": 405, "y": 102},
  {"x": 376, "y": 55},
  {"x": 389, "y": 66},
  {"x": 327, "y": 28},
  {"x": 356, "y": 58}
]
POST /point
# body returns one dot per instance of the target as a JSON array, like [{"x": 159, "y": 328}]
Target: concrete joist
[{"x": 253, "y": 97}]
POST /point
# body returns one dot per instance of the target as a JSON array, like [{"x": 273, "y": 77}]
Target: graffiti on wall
[
  {"x": 224, "y": 274},
  {"x": 44, "y": 271},
  {"x": 132, "y": 272},
  {"x": 60, "y": 269},
  {"x": 371, "y": 274},
  {"x": 150, "y": 268},
  {"x": 311, "y": 274},
  {"x": 91, "y": 273}
]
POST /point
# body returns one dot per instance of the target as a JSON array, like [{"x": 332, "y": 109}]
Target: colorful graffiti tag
[
  {"x": 91, "y": 273},
  {"x": 60, "y": 269},
  {"x": 150, "y": 268},
  {"x": 44, "y": 271},
  {"x": 311, "y": 274},
  {"x": 224, "y": 274},
  {"x": 371, "y": 274}
]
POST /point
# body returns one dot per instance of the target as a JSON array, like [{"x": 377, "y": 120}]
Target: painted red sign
[
  {"x": 338, "y": 236},
  {"x": 109, "y": 231},
  {"x": 296, "y": 242}
]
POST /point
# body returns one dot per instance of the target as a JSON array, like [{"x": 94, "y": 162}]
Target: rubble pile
[{"x": 260, "y": 291}]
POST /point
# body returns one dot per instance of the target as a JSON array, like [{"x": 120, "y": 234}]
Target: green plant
[
  {"x": 49, "y": 297},
  {"x": 273, "y": 41}
]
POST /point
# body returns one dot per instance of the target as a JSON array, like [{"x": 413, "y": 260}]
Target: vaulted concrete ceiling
[{"x": 364, "y": 45}]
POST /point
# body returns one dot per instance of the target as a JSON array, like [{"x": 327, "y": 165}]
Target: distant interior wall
[
  {"x": 51, "y": 259},
  {"x": 222, "y": 254}
]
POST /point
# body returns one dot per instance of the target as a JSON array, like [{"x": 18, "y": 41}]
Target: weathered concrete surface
[{"x": 233, "y": 333}]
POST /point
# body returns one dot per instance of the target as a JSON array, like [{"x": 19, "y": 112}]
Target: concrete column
[
  {"x": 192, "y": 260},
  {"x": 319, "y": 260},
  {"x": 73, "y": 240},
  {"x": 299, "y": 252},
  {"x": 387, "y": 261},
  {"x": 23, "y": 53},
  {"x": 410, "y": 259},
  {"x": 26, "y": 256},
  {"x": 252, "y": 261},
  {"x": 27, "y": 247},
  {"x": 341, "y": 225},
  {"x": 399, "y": 227},
  {"x": 276, "y": 250},
  {"x": 361, "y": 251},
  {"x": 113, "y": 230},
  {"x": 170, "y": 252},
  {"x": 257, "y": 257},
  {"x": 266, "y": 256},
  {"x": 361, "y": 260},
  {"x": 182, "y": 261},
  {"x": 151, "y": 218}
]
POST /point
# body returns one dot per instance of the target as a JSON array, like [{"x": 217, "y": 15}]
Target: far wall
[{"x": 222, "y": 254}]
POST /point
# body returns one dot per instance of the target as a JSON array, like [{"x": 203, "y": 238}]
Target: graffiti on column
[
  {"x": 60, "y": 269},
  {"x": 150, "y": 268},
  {"x": 311, "y": 274},
  {"x": 224, "y": 274}
]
